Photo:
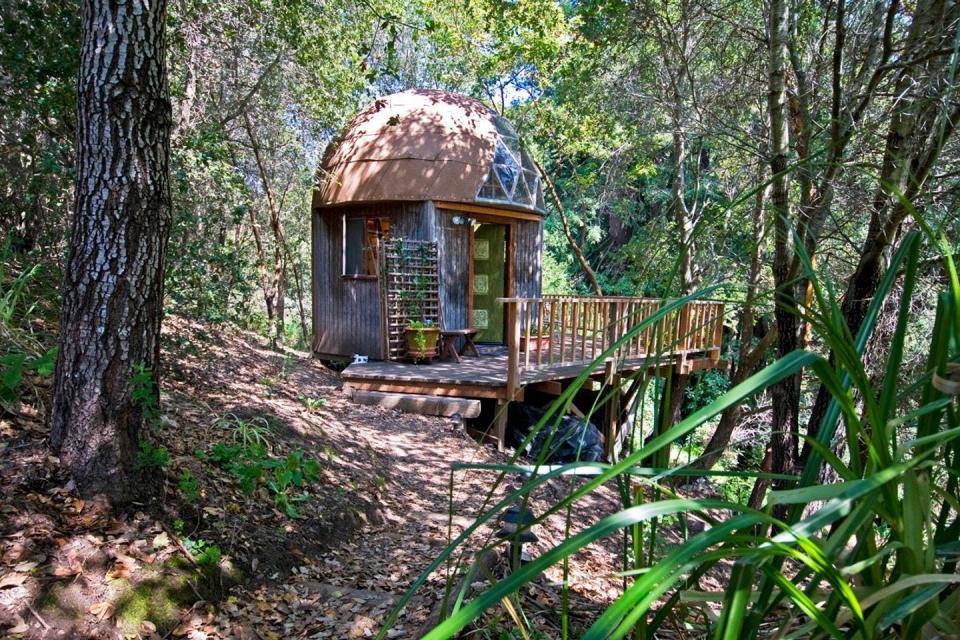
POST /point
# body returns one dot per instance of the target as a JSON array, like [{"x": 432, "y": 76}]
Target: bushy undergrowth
[
  {"x": 872, "y": 555},
  {"x": 249, "y": 458},
  {"x": 27, "y": 349}
]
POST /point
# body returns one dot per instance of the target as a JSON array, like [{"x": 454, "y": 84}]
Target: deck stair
[{"x": 419, "y": 403}]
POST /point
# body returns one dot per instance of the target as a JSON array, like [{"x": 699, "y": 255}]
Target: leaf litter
[{"x": 377, "y": 516}]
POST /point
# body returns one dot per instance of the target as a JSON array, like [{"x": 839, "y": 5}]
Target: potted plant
[
  {"x": 422, "y": 338},
  {"x": 533, "y": 340}
]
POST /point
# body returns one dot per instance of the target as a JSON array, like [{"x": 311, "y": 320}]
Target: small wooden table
[{"x": 448, "y": 348}]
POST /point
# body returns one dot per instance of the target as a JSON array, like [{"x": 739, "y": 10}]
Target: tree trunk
[
  {"x": 113, "y": 289},
  {"x": 281, "y": 247},
  {"x": 786, "y": 393},
  {"x": 574, "y": 246},
  {"x": 920, "y": 125}
]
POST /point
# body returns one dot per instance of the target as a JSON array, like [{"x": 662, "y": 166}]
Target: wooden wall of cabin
[
  {"x": 454, "y": 247},
  {"x": 347, "y": 314},
  {"x": 528, "y": 253},
  {"x": 453, "y": 244}
]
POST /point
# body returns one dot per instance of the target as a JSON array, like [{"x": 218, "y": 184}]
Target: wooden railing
[{"x": 560, "y": 331}]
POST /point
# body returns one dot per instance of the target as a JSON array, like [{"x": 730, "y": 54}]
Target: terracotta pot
[
  {"x": 428, "y": 342},
  {"x": 534, "y": 343}
]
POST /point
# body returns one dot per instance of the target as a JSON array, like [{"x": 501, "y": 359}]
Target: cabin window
[{"x": 361, "y": 240}]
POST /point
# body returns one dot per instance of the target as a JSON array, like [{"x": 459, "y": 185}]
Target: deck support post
[{"x": 500, "y": 424}]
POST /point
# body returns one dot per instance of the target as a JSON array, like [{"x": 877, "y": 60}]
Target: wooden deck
[
  {"x": 613, "y": 337},
  {"x": 486, "y": 376},
  {"x": 640, "y": 333}
]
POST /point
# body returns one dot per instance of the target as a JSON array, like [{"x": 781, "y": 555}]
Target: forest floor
[{"x": 207, "y": 559}]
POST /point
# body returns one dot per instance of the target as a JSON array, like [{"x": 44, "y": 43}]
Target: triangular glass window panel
[
  {"x": 506, "y": 167},
  {"x": 491, "y": 189},
  {"x": 513, "y": 178}
]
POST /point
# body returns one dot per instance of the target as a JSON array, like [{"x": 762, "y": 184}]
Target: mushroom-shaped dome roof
[{"x": 429, "y": 145}]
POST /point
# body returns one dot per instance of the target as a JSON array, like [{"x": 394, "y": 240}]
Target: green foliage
[
  {"x": 705, "y": 389},
  {"x": 39, "y": 53},
  {"x": 189, "y": 486},
  {"x": 887, "y": 521},
  {"x": 312, "y": 404},
  {"x": 145, "y": 394},
  {"x": 22, "y": 355},
  {"x": 249, "y": 459},
  {"x": 204, "y": 553},
  {"x": 15, "y": 367},
  {"x": 151, "y": 456}
]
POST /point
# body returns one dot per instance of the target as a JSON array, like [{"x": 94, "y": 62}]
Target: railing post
[
  {"x": 717, "y": 334},
  {"x": 513, "y": 348},
  {"x": 683, "y": 335}
]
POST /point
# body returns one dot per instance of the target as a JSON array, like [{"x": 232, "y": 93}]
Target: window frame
[{"x": 343, "y": 245}]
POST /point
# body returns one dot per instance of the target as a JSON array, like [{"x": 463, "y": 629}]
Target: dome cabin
[{"x": 425, "y": 199}]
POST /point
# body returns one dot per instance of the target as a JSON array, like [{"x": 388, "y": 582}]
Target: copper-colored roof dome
[{"x": 428, "y": 145}]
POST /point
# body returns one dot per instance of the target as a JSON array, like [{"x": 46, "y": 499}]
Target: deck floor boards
[{"x": 489, "y": 371}]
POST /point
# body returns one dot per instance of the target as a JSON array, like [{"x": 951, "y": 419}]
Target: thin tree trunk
[
  {"x": 671, "y": 402},
  {"x": 784, "y": 434},
  {"x": 280, "y": 238},
  {"x": 113, "y": 289},
  {"x": 574, "y": 246},
  {"x": 262, "y": 266}
]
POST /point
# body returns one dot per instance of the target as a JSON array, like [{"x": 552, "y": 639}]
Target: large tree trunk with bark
[
  {"x": 782, "y": 449},
  {"x": 113, "y": 289}
]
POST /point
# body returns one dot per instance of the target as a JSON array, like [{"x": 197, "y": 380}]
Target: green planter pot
[{"x": 421, "y": 342}]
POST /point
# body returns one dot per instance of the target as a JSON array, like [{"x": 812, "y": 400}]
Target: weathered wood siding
[
  {"x": 413, "y": 221},
  {"x": 527, "y": 268},
  {"x": 347, "y": 312},
  {"x": 347, "y": 315},
  {"x": 453, "y": 242}
]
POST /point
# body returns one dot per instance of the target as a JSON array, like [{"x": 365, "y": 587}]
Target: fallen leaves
[
  {"x": 12, "y": 580},
  {"x": 102, "y": 610},
  {"x": 308, "y": 578},
  {"x": 123, "y": 567}
]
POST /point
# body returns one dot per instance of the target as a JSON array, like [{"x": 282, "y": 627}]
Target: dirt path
[
  {"x": 379, "y": 513},
  {"x": 396, "y": 463}
]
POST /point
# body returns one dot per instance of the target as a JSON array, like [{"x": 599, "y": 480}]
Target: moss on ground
[{"x": 156, "y": 596}]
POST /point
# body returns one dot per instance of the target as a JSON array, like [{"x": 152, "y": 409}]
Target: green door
[{"x": 489, "y": 269}]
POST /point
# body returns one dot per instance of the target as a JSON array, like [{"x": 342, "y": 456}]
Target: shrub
[
  {"x": 189, "y": 486},
  {"x": 248, "y": 458},
  {"x": 151, "y": 456},
  {"x": 872, "y": 555}
]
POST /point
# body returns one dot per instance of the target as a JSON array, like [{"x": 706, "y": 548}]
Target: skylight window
[{"x": 513, "y": 178}]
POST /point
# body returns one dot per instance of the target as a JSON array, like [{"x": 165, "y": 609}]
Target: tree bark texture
[
  {"x": 786, "y": 393},
  {"x": 113, "y": 289},
  {"x": 921, "y": 123}
]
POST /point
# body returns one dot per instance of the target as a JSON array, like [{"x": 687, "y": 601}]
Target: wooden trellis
[{"x": 411, "y": 289}]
